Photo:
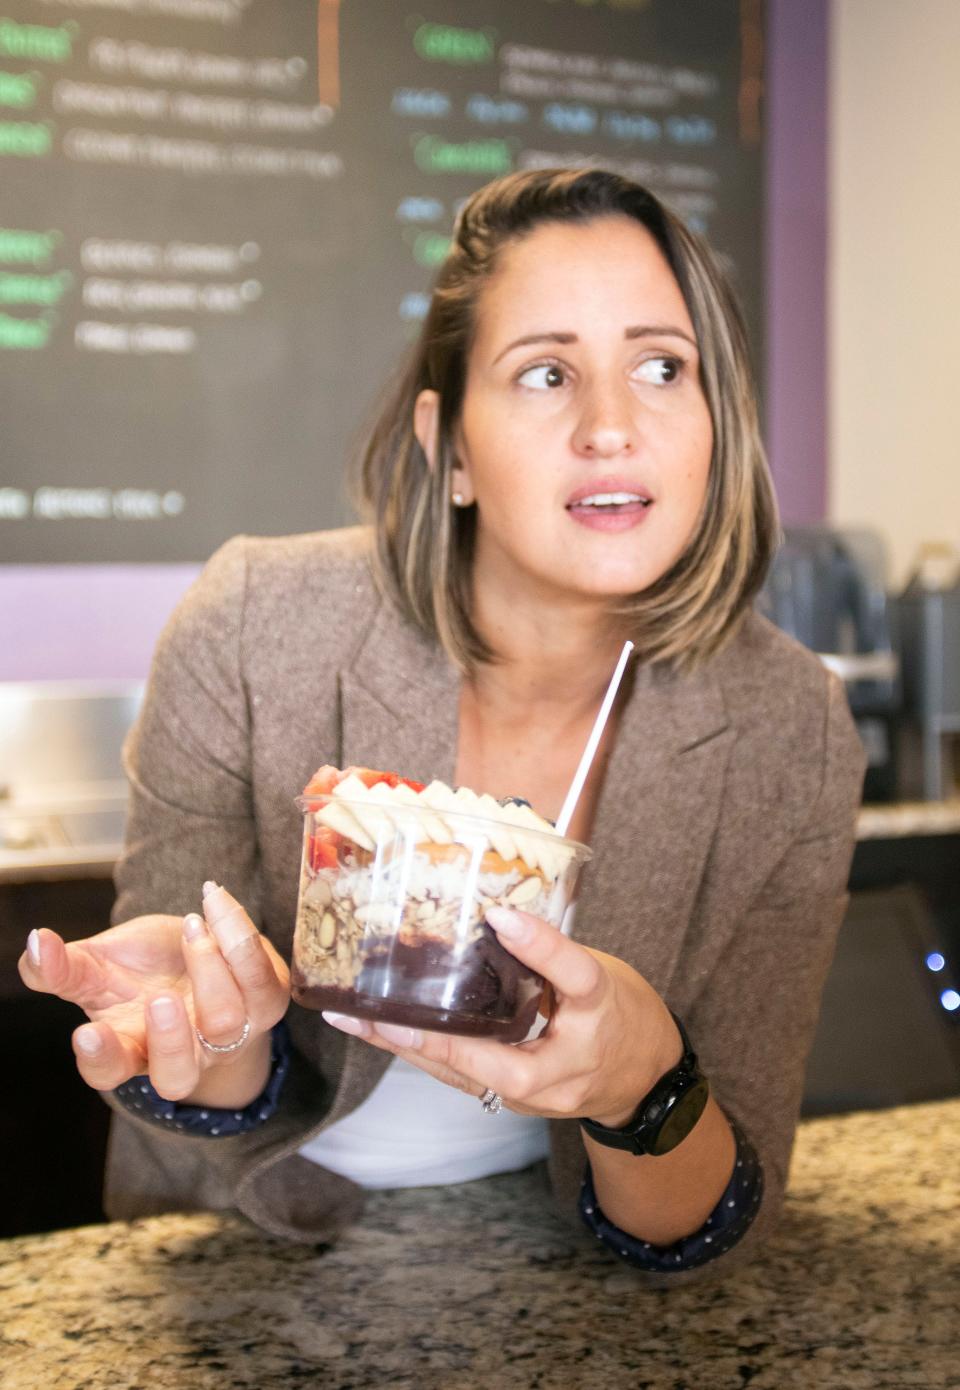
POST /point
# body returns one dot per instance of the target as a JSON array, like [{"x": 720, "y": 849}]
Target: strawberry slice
[
  {"x": 324, "y": 844},
  {"x": 323, "y": 781},
  {"x": 370, "y": 777},
  {"x": 326, "y": 778}
]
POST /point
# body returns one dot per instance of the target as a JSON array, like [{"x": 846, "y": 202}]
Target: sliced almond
[
  {"x": 328, "y": 930},
  {"x": 525, "y": 892},
  {"x": 318, "y": 892}
]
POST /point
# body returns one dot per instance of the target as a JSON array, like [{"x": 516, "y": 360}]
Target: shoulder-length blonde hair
[{"x": 424, "y": 546}]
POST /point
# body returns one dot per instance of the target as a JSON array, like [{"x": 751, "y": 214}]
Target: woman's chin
[
  {"x": 617, "y": 578},
  {"x": 610, "y": 587}
]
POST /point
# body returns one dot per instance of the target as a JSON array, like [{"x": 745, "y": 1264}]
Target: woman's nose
[{"x": 606, "y": 426}]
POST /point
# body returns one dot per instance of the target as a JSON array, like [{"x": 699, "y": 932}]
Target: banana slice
[
  {"x": 497, "y": 832},
  {"x": 392, "y": 806},
  {"x": 352, "y": 788},
  {"x": 550, "y": 857},
  {"x": 340, "y": 819},
  {"x": 376, "y": 823},
  {"x": 437, "y": 795},
  {"x": 517, "y": 814},
  {"x": 467, "y": 800},
  {"x": 433, "y": 826},
  {"x": 462, "y": 802}
]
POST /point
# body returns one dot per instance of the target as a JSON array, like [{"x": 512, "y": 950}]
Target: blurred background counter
[{"x": 481, "y": 1285}]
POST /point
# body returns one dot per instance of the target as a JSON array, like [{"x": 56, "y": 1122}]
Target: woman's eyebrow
[{"x": 641, "y": 330}]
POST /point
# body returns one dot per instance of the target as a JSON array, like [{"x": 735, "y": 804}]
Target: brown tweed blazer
[{"x": 722, "y": 844}]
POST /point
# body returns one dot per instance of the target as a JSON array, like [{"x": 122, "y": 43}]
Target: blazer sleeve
[
  {"x": 187, "y": 759},
  {"x": 754, "y": 1020}
]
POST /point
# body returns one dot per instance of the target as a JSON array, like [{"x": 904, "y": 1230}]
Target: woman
[{"x": 570, "y": 457}]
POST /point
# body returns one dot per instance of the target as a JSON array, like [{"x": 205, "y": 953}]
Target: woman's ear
[
  {"x": 426, "y": 425},
  {"x": 426, "y": 421}
]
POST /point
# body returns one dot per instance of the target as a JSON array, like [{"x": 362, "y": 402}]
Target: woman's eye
[
  {"x": 545, "y": 376},
  {"x": 660, "y": 371}
]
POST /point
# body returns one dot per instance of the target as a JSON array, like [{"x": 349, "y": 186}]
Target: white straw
[{"x": 596, "y": 733}]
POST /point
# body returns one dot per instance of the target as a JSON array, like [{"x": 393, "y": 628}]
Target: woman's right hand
[{"x": 149, "y": 985}]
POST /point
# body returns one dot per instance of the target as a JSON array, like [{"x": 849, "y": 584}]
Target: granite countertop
[{"x": 473, "y": 1287}]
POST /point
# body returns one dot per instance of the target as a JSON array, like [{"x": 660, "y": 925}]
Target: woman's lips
[
  {"x": 623, "y": 517},
  {"x": 610, "y": 502}
]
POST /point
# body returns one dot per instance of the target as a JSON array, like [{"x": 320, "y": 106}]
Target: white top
[{"x": 415, "y": 1131}]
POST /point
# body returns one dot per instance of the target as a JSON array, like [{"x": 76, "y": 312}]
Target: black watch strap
[{"x": 667, "y": 1113}]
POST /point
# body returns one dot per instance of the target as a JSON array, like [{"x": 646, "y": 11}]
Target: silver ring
[
  {"x": 225, "y": 1047},
  {"x": 491, "y": 1102}
]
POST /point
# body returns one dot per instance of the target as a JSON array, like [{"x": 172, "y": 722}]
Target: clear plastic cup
[{"x": 391, "y": 915}]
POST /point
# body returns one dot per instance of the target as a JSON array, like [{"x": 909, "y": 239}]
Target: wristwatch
[{"x": 667, "y": 1113}]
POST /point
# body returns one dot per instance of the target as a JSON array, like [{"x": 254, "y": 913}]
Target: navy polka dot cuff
[
  {"x": 139, "y": 1097},
  {"x": 725, "y": 1225}
]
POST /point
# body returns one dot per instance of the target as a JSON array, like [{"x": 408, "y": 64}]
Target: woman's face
[{"x": 585, "y": 438}]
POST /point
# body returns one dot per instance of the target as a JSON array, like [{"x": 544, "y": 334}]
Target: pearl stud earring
[{"x": 458, "y": 499}]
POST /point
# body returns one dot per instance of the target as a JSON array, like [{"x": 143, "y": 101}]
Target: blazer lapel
[
  {"x": 655, "y": 821},
  {"x": 399, "y": 703}
]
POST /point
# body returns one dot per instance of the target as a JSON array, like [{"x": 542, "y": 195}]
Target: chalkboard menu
[{"x": 219, "y": 221}]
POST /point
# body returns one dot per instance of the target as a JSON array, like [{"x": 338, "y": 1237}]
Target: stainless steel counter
[{"x": 62, "y": 791}]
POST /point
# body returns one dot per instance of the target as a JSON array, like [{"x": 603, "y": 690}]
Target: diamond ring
[{"x": 491, "y": 1101}]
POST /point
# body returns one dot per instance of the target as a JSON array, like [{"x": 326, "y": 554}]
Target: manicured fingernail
[
  {"x": 509, "y": 924},
  {"x": 359, "y": 1027},
  {"x": 210, "y": 887},
  {"x": 164, "y": 1012},
  {"x": 398, "y": 1035},
  {"x": 193, "y": 926},
  {"x": 88, "y": 1041},
  {"x": 33, "y": 947}
]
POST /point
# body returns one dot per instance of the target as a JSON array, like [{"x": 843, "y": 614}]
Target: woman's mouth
[{"x": 610, "y": 510}]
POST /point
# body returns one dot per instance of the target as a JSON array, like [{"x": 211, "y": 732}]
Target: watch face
[{"x": 682, "y": 1117}]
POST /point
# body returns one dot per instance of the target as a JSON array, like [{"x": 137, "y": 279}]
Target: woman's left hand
[{"x": 610, "y": 1036}]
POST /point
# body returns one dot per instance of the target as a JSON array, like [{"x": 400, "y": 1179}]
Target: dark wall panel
[{"x": 219, "y": 220}]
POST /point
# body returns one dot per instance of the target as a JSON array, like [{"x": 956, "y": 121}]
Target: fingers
[
  {"x": 457, "y": 1061},
  {"x": 431, "y": 1052},
  {"x": 580, "y": 1065},
  {"x": 105, "y": 1058},
  {"x": 34, "y": 962},
  {"x": 521, "y": 1074},
  {"x": 49, "y": 966},
  {"x": 571, "y": 969},
  {"x": 235, "y": 973},
  {"x": 173, "y": 1050},
  {"x": 169, "y": 1053},
  {"x": 217, "y": 999}
]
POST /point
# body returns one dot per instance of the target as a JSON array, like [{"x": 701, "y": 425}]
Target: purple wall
[
  {"x": 101, "y": 621},
  {"x": 89, "y": 622},
  {"x": 796, "y": 256}
]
